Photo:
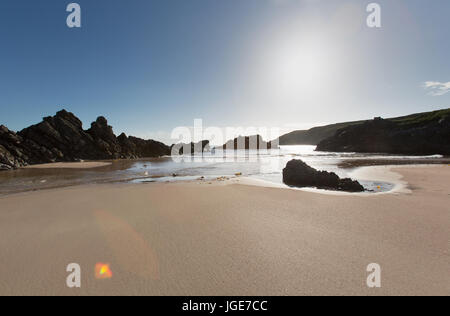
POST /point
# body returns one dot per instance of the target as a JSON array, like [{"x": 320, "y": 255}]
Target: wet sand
[
  {"x": 70, "y": 165},
  {"x": 228, "y": 239},
  {"x": 356, "y": 163}
]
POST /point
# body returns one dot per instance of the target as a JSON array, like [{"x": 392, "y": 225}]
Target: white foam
[{"x": 384, "y": 174}]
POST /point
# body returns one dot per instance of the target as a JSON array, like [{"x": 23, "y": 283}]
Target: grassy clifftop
[
  {"x": 422, "y": 118},
  {"x": 418, "y": 134},
  {"x": 315, "y": 135}
]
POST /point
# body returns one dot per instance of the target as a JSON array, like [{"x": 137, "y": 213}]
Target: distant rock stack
[
  {"x": 190, "y": 149},
  {"x": 254, "y": 142},
  {"x": 61, "y": 138}
]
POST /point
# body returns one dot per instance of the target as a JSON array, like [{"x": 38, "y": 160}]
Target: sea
[{"x": 263, "y": 165}]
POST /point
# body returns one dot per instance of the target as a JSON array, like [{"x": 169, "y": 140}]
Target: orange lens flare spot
[{"x": 102, "y": 271}]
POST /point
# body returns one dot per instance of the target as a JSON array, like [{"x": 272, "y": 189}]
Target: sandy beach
[{"x": 228, "y": 239}]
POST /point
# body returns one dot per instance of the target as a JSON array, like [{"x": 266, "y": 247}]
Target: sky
[{"x": 152, "y": 65}]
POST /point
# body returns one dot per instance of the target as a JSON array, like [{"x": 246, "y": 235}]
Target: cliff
[
  {"x": 417, "y": 134},
  {"x": 314, "y": 135}
]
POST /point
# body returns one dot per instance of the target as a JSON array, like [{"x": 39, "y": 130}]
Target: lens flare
[{"x": 102, "y": 271}]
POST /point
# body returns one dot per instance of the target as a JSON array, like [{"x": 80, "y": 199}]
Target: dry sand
[
  {"x": 202, "y": 239},
  {"x": 70, "y": 165}
]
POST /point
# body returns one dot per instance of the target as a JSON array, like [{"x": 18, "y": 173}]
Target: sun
[{"x": 300, "y": 69}]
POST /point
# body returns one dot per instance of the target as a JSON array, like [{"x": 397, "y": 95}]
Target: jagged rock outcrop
[
  {"x": 17, "y": 151},
  {"x": 62, "y": 138},
  {"x": 133, "y": 147},
  {"x": 11, "y": 151},
  {"x": 192, "y": 148},
  {"x": 104, "y": 138},
  {"x": 418, "y": 134},
  {"x": 59, "y": 138},
  {"x": 254, "y": 142},
  {"x": 299, "y": 174}
]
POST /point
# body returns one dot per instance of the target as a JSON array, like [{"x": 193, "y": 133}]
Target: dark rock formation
[
  {"x": 62, "y": 138},
  {"x": 104, "y": 139},
  {"x": 299, "y": 174},
  {"x": 59, "y": 138},
  {"x": 255, "y": 142},
  {"x": 134, "y": 147},
  {"x": 12, "y": 150},
  {"x": 418, "y": 134},
  {"x": 192, "y": 148}
]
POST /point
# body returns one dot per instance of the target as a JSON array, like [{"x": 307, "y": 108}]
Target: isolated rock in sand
[{"x": 299, "y": 174}]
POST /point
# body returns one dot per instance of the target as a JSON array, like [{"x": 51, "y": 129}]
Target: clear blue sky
[{"x": 152, "y": 65}]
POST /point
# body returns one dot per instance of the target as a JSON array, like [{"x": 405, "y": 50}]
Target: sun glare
[{"x": 301, "y": 69}]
